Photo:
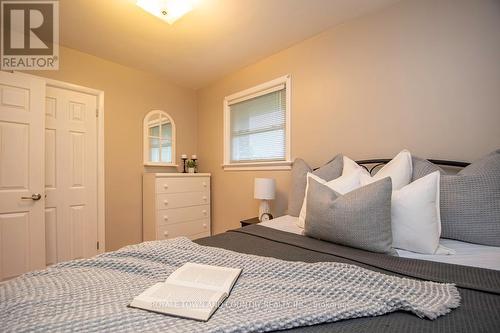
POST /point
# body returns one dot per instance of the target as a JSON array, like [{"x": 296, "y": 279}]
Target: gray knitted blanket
[{"x": 92, "y": 295}]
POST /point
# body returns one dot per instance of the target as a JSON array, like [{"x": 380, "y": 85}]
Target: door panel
[
  {"x": 22, "y": 228},
  {"x": 78, "y": 234},
  {"x": 15, "y": 244},
  {"x": 72, "y": 159},
  {"x": 77, "y": 158},
  {"x": 15, "y": 98},
  {"x": 14, "y": 154},
  {"x": 51, "y": 235},
  {"x": 50, "y": 158}
]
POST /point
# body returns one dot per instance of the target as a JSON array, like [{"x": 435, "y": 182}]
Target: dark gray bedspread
[{"x": 479, "y": 288}]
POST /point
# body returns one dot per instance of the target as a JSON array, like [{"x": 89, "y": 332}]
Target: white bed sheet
[{"x": 467, "y": 254}]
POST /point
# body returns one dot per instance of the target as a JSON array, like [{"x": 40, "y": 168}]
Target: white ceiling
[{"x": 218, "y": 37}]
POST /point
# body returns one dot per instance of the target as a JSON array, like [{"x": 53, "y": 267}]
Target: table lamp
[{"x": 265, "y": 190}]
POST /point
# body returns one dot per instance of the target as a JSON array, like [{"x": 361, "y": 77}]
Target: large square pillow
[
  {"x": 360, "y": 218},
  {"x": 342, "y": 185},
  {"x": 415, "y": 215},
  {"x": 422, "y": 167},
  {"x": 416, "y": 223},
  {"x": 399, "y": 169},
  {"x": 300, "y": 168},
  {"x": 470, "y": 200}
]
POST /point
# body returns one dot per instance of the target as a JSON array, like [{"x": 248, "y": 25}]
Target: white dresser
[{"x": 175, "y": 204}]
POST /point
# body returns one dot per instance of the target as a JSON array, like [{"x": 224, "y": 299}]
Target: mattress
[{"x": 466, "y": 254}]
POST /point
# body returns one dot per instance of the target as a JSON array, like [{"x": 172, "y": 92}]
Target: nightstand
[{"x": 253, "y": 220}]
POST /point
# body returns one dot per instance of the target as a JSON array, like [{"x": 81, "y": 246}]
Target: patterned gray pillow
[
  {"x": 470, "y": 200},
  {"x": 360, "y": 218},
  {"x": 422, "y": 167},
  {"x": 329, "y": 171}
]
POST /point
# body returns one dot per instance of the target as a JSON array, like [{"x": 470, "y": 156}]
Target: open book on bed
[{"x": 193, "y": 291}]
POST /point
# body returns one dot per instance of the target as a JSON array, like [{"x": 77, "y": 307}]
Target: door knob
[{"x": 34, "y": 197}]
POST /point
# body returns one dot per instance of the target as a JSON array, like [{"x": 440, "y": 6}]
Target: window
[
  {"x": 159, "y": 139},
  {"x": 160, "y": 145},
  {"x": 257, "y": 127}
]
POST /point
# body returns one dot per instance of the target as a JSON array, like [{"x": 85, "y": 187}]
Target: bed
[
  {"x": 479, "y": 287},
  {"x": 92, "y": 294},
  {"x": 466, "y": 254}
]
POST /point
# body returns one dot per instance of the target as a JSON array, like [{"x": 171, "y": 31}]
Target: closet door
[
  {"x": 22, "y": 229},
  {"x": 70, "y": 175}
]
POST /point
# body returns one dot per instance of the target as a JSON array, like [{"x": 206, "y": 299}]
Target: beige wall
[
  {"x": 422, "y": 75},
  {"x": 129, "y": 95}
]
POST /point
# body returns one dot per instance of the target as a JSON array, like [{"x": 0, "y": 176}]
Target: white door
[
  {"x": 22, "y": 229},
  {"x": 70, "y": 175}
]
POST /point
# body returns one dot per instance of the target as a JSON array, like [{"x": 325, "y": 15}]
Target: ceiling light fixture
[{"x": 167, "y": 10}]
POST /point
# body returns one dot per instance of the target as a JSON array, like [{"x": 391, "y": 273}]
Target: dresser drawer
[
  {"x": 178, "y": 185},
  {"x": 176, "y": 215},
  {"x": 184, "y": 229},
  {"x": 176, "y": 200}
]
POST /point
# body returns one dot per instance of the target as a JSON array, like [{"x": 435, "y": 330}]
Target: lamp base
[{"x": 264, "y": 207}]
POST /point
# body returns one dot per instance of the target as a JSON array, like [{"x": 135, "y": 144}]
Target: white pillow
[
  {"x": 343, "y": 184},
  {"x": 416, "y": 218},
  {"x": 415, "y": 212},
  {"x": 399, "y": 169}
]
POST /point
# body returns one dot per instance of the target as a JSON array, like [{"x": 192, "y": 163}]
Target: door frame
[{"x": 101, "y": 199}]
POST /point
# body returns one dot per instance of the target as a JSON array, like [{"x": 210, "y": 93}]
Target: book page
[
  {"x": 180, "y": 300},
  {"x": 205, "y": 276}
]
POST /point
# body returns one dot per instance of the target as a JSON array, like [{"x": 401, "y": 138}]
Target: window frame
[{"x": 256, "y": 91}]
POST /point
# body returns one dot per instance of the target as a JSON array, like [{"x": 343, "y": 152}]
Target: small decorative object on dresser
[
  {"x": 191, "y": 165},
  {"x": 175, "y": 204},
  {"x": 184, "y": 159},
  {"x": 195, "y": 160},
  {"x": 264, "y": 189}
]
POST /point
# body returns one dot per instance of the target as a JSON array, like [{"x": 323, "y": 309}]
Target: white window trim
[{"x": 259, "y": 90}]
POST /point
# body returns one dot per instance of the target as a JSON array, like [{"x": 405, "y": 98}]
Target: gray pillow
[
  {"x": 470, "y": 201},
  {"x": 360, "y": 218},
  {"x": 300, "y": 168},
  {"x": 422, "y": 167}
]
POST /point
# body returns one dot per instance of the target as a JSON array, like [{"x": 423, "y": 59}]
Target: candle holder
[
  {"x": 194, "y": 158},
  {"x": 195, "y": 165},
  {"x": 184, "y": 159}
]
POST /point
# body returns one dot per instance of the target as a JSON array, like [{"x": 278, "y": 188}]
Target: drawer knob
[
  {"x": 165, "y": 218},
  {"x": 204, "y": 184},
  {"x": 205, "y": 198},
  {"x": 165, "y": 233},
  {"x": 204, "y": 211},
  {"x": 165, "y": 186},
  {"x": 165, "y": 202},
  {"x": 204, "y": 225}
]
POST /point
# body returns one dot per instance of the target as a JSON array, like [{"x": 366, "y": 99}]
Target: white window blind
[{"x": 258, "y": 127}]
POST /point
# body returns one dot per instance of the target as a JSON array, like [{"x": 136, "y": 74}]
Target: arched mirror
[{"x": 159, "y": 139}]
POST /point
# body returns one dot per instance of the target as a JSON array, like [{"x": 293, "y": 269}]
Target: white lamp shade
[{"x": 264, "y": 188}]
